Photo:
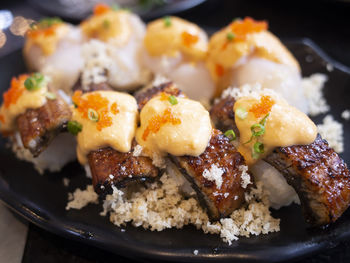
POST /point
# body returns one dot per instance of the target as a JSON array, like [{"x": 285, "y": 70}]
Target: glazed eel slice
[
  {"x": 220, "y": 153},
  {"x": 110, "y": 167},
  {"x": 316, "y": 172},
  {"x": 91, "y": 87},
  {"x": 38, "y": 127}
]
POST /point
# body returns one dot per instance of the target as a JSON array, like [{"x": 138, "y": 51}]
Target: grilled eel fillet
[
  {"x": 316, "y": 172},
  {"x": 218, "y": 202},
  {"x": 110, "y": 167},
  {"x": 38, "y": 127}
]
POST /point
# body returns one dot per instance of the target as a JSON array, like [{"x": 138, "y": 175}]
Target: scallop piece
[
  {"x": 176, "y": 48},
  {"x": 244, "y": 52},
  {"x": 113, "y": 49},
  {"x": 55, "y": 50}
]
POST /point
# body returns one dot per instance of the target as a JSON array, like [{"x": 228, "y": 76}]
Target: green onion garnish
[
  {"x": 167, "y": 21},
  {"x": 49, "y": 21},
  {"x": 115, "y": 7},
  {"x": 230, "y": 36},
  {"x": 173, "y": 100},
  {"x": 106, "y": 24},
  {"x": 74, "y": 127},
  {"x": 93, "y": 115},
  {"x": 257, "y": 129},
  {"x": 258, "y": 147},
  {"x": 34, "y": 82},
  {"x": 230, "y": 134},
  {"x": 50, "y": 95},
  {"x": 241, "y": 113},
  {"x": 263, "y": 121}
]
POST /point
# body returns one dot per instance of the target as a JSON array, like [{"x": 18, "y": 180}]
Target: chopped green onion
[
  {"x": 74, "y": 127},
  {"x": 50, "y": 95},
  {"x": 241, "y": 113},
  {"x": 93, "y": 115},
  {"x": 115, "y": 7},
  {"x": 49, "y": 21},
  {"x": 255, "y": 155},
  {"x": 230, "y": 36},
  {"x": 263, "y": 121},
  {"x": 167, "y": 21},
  {"x": 257, "y": 129},
  {"x": 106, "y": 24},
  {"x": 34, "y": 82},
  {"x": 173, "y": 100},
  {"x": 258, "y": 147},
  {"x": 230, "y": 134},
  {"x": 75, "y": 105}
]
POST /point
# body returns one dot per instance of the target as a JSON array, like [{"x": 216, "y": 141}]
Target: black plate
[
  {"x": 57, "y": 8},
  {"x": 42, "y": 199}
]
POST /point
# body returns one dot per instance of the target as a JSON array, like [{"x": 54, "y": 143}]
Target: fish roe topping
[
  {"x": 95, "y": 102},
  {"x": 241, "y": 28},
  {"x": 263, "y": 107},
  {"x": 45, "y": 27},
  {"x": 219, "y": 70},
  {"x": 2, "y": 118},
  {"x": 101, "y": 9},
  {"x": 157, "y": 121},
  {"x": 189, "y": 39},
  {"x": 16, "y": 90}
]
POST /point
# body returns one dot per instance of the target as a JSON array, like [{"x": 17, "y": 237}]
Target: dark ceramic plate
[
  {"x": 42, "y": 199},
  {"x": 79, "y": 12}
]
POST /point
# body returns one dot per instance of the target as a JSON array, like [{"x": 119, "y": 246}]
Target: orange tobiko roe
[
  {"x": 98, "y": 103},
  {"x": 101, "y": 8},
  {"x": 241, "y": 28},
  {"x": 46, "y": 32},
  {"x": 263, "y": 107},
  {"x": 156, "y": 122},
  {"x": 15, "y": 91},
  {"x": 2, "y": 118},
  {"x": 219, "y": 70},
  {"x": 189, "y": 39}
]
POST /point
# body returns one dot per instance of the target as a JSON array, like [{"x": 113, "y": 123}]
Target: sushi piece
[
  {"x": 36, "y": 119},
  {"x": 113, "y": 41},
  {"x": 91, "y": 86},
  {"x": 315, "y": 171},
  {"x": 217, "y": 172},
  {"x": 318, "y": 175},
  {"x": 177, "y": 49},
  {"x": 245, "y": 52},
  {"x": 105, "y": 123},
  {"x": 53, "y": 48}
]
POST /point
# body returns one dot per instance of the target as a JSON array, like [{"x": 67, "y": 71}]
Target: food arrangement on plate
[{"x": 175, "y": 128}]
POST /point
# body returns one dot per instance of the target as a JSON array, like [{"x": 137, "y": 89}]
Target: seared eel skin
[
  {"x": 316, "y": 172},
  {"x": 110, "y": 167},
  {"x": 38, "y": 127},
  {"x": 220, "y": 152},
  {"x": 143, "y": 96},
  {"x": 318, "y": 175},
  {"x": 91, "y": 87}
]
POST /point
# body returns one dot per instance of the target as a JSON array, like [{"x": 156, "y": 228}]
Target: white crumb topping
[
  {"x": 65, "y": 181},
  {"x": 332, "y": 131},
  {"x": 248, "y": 90},
  {"x": 161, "y": 205},
  {"x": 97, "y": 62},
  {"x": 313, "y": 90},
  {"x": 81, "y": 198},
  {"x": 329, "y": 67},
  {"x": 214, "y": 174},
  {"x": 159, "y": 79},
  {"x": 245, "y": 177},
  {"x": 137, "y": 150},
  {"x": 346, "y": 115},
  {"x": 195, "y": 252},
  {"x": 158, "y": 160}
]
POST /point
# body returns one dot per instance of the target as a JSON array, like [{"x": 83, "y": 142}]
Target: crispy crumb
[
  {"x": 195, "y": 252},
  {"x": 81, "y": 198},
  {"x": 65, "y": 181},
  {"x": 332, "y": 131},
  {"x": 214, "y": 174},
  {"x": 346, "y": 115}
]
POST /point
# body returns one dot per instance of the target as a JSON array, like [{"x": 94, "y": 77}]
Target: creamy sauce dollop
[
  {"x": 47, "y": 39},
  {"x": 285, "y": 126},
  {"x": 179, "y": 36},
  {"x": 112, "y": 25},
  {"x": 25, "y": 100},
  {"x": 185, "y": 131},
  {"x": 119, "y": 131},
  {"x": 227, "y": 54}
]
